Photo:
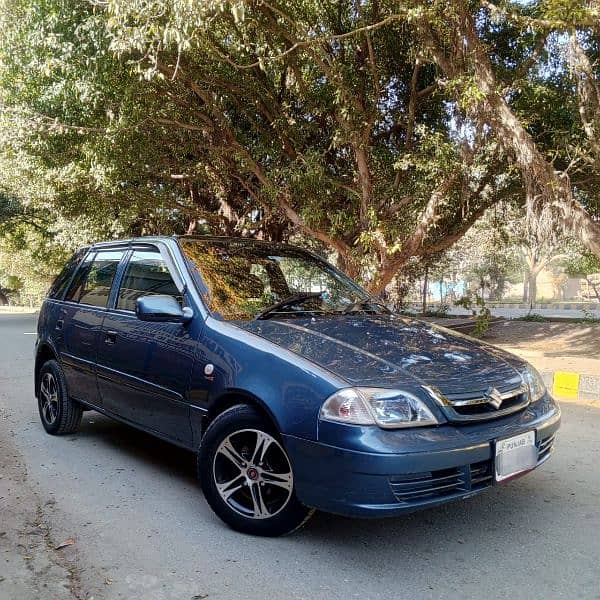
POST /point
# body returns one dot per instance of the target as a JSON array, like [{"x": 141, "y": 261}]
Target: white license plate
[{"x": 515, "y": 455}]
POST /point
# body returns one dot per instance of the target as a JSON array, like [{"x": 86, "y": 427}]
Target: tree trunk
[
  {"x": 526, "y": 287},
  {"x": 588, "y": 92},
  {"x": 595, "y": 288},
  {"x": 414, "y": 245},
  {"x": 347, "y": 264},
  {"x": 192, "y": 226},
  {"x": 366, "y": 185},
  {"x": 425, "y": 285},
  {"x": 532, "y": 285}
]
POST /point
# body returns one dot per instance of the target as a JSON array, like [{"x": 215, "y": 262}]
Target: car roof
[
  {"x": 133, "y": 240},
  {"x": 167, "y": 238}
]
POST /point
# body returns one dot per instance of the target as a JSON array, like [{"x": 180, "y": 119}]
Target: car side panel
[{"x": 144, "y": 369}]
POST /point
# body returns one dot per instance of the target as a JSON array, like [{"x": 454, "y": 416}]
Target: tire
[
  {"x": 59, "y": 414},
  {"x": 246, "y": 475}
]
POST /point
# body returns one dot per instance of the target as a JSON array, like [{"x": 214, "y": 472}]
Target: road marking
[{"x": 30, "y": 333}]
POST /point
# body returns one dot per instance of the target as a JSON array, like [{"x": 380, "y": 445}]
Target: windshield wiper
[
  {"x": 364, "y": 304},
  {"x": 290, "y": 301}
]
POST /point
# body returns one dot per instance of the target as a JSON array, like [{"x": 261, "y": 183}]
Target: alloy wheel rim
[
  {"x": 252, "y": 474},
  {"x": 49, "y": 398}
]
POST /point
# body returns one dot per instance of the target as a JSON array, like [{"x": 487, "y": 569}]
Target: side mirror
[{"x": 162, "y": 309}]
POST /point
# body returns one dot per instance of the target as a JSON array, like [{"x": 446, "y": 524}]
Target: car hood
[{"x": 391, "y": 351}]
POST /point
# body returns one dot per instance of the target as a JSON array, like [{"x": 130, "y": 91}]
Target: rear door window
[
  {"x": 93, "y": 281},
  {"x": 62, "y": 281},
  {"x": 146, "y": 275}
]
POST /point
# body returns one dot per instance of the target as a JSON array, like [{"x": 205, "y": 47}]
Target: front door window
[{"x": 146, "y": 275}]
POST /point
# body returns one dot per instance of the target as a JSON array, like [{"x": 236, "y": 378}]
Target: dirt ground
[
  {"x": 553, "y": 347},
  {"x": 32, "y": 563},
  {"x": 548, "y": 339}
]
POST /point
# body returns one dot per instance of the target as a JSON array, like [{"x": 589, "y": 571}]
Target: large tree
[
  {"x": 373, "y": 76},
  {"x": 382, "y": 129},
  {"x": 330, "y": 114},
  {"x": 350, "y": 141}
]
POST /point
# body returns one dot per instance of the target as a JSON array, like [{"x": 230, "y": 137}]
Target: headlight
[
  {"x": 537, "y": 387},
  {"x": 389, "y": 409}
]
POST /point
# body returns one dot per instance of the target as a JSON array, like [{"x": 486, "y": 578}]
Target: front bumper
[{"x": 371, "y": 472}]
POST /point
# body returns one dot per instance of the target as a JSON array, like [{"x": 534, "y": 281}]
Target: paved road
[{"x": 143, "y": 529}]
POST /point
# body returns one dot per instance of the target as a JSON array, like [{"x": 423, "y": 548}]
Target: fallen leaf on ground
[
  {"x": 67, "y": 542},
  {"x": 108, "y": 581}
]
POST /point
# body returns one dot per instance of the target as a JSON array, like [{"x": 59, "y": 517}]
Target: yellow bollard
[{"x": 566, "y": 384}]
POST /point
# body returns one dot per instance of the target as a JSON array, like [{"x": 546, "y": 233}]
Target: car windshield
[{"x": 244, "y": 280}]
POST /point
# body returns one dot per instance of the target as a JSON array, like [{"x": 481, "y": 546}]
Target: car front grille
[
  {"x": 480, "y": 407},
  {"x": 416, "y": 488},
  {"x": 419, "y": 487},
  {"x": 545, "y": 447}
]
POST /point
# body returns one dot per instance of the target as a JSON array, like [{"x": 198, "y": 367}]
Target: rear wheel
[
  {"x": 247, "y": 476},
  {"x": 59, "y": 414}
]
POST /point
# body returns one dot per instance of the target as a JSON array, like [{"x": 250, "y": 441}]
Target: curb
[
  {"x": 572, "y": 385},
  {"x": 17, "y": 310},
  {"x": 416, "y": 307},
  {"x": 547, "y": 305}
]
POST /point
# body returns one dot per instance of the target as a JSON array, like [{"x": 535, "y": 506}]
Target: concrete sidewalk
[
  {"x": 575, "y": 311},
  {"x": 547, "y": 305},
  {"x": 548, "y": 313}
]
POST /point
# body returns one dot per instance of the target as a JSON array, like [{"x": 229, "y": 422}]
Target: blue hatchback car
[{"x": 295, "y": 388}]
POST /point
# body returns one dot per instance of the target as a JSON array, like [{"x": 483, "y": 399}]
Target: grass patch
[{"x": 533, "y": 318}]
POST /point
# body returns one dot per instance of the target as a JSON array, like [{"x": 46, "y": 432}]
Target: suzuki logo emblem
[{"x": 494, "y": 397}]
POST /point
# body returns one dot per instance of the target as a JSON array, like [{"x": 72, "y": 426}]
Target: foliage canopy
[{"x": 379, "y": 130}]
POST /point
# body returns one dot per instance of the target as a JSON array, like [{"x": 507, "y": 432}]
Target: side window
[
  {"x": 146, "y": 275},
  {"x": 94, "y": 279},
  {"x": 58, "y": 287}
]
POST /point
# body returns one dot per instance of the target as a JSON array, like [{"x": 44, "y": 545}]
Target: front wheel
[{"x": 247, "y": 476}]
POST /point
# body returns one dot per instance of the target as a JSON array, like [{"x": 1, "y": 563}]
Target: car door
[
  {"x": 79, "y": 322},
  {"x": 143, "y": 367}
]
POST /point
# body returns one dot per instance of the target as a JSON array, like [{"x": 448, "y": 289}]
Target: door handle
[
  {"x": 59, "y": 324},
  {"x": 111, "y": 337}
]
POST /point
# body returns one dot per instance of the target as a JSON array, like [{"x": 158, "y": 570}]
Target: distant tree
[
  {"x": 538, "y": 247},
  {"x": 538, "y": 253},
  {"x": 486, "y": 258},
  {"x": 586, "y": 266}
]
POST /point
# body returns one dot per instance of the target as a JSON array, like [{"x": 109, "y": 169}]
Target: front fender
[{"x": 291, "y": 389}]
